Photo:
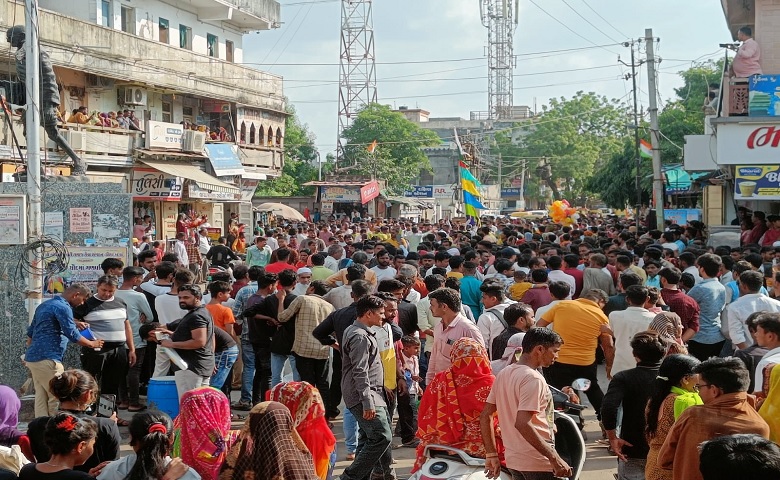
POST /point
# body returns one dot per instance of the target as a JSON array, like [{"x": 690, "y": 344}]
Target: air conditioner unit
[
  {"x": 193, "y": 141},
  {"x": 76, "y": 139},
  {"x": 135, "y": 96},
  {"x": 98, "y": 82}
]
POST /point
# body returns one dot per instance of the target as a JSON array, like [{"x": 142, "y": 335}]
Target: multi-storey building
[{"x": 174, "y": 63}]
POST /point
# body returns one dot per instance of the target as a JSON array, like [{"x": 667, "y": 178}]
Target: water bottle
[
  {"x": 408, "y": 377},
  {"x": 87, "y": 333}
]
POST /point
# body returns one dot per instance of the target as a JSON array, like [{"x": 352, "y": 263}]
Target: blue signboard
[
  {"x": 224, "y": 160},
  {"x": 511, "y": 192},
  {"x": 420, "y": 191}
]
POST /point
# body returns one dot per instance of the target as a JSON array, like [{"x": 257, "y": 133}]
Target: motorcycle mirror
[{"x": 581, "y": 384}]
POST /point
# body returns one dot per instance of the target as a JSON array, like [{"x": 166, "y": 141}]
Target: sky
[{"x": 431, "y": 54}]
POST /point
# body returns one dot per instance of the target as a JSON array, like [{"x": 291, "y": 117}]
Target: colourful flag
[
  {"x": 372, "y": 146},
  {"x": 645, "y": 149},
  {"x": 468, "y": 186},
  {"x": 472, "y": 200},
  {"x": 471, "y": 211}
]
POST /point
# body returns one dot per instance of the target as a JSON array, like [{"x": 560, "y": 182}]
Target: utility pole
[
  {"x": 33, "y": 125},
  {"x": 658, "y": 179},
  {"x": 637, "y": 157}
]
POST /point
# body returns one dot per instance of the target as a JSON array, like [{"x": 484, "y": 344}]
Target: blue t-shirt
[{"x": 51, "y": 329}]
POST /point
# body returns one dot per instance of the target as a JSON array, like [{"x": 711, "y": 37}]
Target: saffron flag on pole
[
  {"x": 645, "y": 149},
  {"x": 372, "y": 146}
]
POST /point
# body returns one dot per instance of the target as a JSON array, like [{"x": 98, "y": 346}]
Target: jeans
[
  {"x": 333, "y": 399},
  {"x": 561, "y": 375},
  {"x": 277, "y": 366},
  {"x": 262, "y": 381},
  {"x": 315, "y": 372},
  {"x": 532, "y": 475},
  {"x": 128, "y": 391},
  {"x": 112, "y": 362},
  {"x": 631, "y": 469},
  {"x": 248, "y": 372},
  {"x": 350, "y": 431},
  {"x": 373, "y": 456},
  {"x": 407, "y": 417},
  {"x": 223, "y": 362}
]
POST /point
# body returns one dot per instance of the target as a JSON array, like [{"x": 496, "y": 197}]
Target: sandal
[{"x": 121, "y": 422}]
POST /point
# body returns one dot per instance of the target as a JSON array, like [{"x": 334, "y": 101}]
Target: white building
[{"x": 169, "y": 61}]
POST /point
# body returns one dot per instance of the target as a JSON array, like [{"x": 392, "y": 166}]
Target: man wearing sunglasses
[{"x": 193, "y": 335}]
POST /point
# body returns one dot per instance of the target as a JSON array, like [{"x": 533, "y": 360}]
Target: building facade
[{"x": 210, "y": 127}]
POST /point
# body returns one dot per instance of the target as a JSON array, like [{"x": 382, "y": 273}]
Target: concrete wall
[{"x": 767, "y": 34}]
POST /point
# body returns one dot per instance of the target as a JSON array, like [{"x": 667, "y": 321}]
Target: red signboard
[{"x": 369, "y": 192}]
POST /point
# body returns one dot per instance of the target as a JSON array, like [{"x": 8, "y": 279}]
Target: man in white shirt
[
  {"x": 767, "y": 336},
  {"x": 688, "y": 265},
  {"x": 335, "y": 253},
  {"x": 303, "y": 281},
  {"x": 558, "y": 291},
  {"x": 180, "y": 249},
  {"x": 441, "y": 260},
  {"x": 383, "y": 270},
  {"x": 341, "y": 297},
  {"x": 627, "y": 323},
  {"x": 750, "y": 300},
  {"x": 491, "y": 324},
  {"x": 557, "y": 275}
]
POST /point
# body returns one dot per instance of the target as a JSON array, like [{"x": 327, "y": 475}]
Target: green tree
[
  {"x": 576, "y": 136},
  {"x": 300, "y": 162},
  {"x": 397, "y": 158}
]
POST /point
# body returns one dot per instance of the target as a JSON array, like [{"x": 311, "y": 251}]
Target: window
[
  {"x": 187, "y": 115},
  {"x": 185, "y": 37},
  {"x": 164, "y": 35},
  {"x": 105, "y": 13},
  {"x": 229, "y": 50},
  {"x": 212, "y": 45},
  {"x": 128, "y": 19},
  {"x": 167, "y": 112}
]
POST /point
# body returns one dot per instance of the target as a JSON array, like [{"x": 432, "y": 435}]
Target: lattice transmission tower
[
  {"x": 357, "y": 67},
  {"x": 500, "y": 18}
]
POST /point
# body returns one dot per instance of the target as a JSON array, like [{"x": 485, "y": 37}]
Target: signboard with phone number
[{"x": 757, "y": 182}]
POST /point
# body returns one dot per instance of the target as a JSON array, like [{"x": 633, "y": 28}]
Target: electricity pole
[
  {"x": 33, "y": 125},
  {"x": 637, "y": 157},
  {"x": 658, "y": 179}
]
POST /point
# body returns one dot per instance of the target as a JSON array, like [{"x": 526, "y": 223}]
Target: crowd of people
[
  {"x": 457, "y": 329},
  {"x": 119, "y": 119}
]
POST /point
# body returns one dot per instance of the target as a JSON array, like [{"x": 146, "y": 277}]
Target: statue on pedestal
[{"x": 50, "y": 95}]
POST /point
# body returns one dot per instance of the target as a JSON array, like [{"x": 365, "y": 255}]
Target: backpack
[{"x": 499, "y": 315}]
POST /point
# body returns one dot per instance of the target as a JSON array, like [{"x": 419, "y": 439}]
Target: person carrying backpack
[{"x": 491, "y": 323}]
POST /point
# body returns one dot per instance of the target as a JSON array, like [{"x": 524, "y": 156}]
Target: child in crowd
[
  {"x": 409, "y": 376},
  {"x": 521, "y": 285}
]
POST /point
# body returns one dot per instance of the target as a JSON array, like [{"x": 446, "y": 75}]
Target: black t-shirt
[
  {"x": 223, "y": 340},
  {"x": 106, "y": 444},
  {"x": 29, "y": 472},
  {"x": 220, "y": 255},
  {"x": 264, "y": 335},
  {"x": 200, "y": 360}
]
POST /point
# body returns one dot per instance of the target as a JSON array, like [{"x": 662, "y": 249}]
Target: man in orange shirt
[
  {"x": 222, "y": 315},
  {"x": 582, "y": 324}
]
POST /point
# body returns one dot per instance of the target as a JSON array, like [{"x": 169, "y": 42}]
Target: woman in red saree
[
  {"x": 308, "y": 414},
  {"x": 450, "y": 408}
]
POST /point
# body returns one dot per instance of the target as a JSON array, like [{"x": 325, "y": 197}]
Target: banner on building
[
  {"x": 340, "y": 194},
  {"x": 757, "y": 182},
  {"x": 420, "y": 191},
  {"x": 327, "y": 208},
  {"x": 151, "y": 184},
  {"x": 369, "y": 192},
  {"x": 83, "y": 267}
]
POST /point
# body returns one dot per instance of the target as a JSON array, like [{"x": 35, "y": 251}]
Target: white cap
[{"x": 303, "y": 270}]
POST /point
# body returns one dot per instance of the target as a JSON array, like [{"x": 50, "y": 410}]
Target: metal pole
[
  {"x": 658, "y": 179},
  {"x": 637, "y": 157},
  {"x": 319, "y": 163},
  {"x": 33, "y": 125}
]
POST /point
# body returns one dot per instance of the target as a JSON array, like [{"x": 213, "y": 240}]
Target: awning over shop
[
  {"x": 192, "y": 173},
  {"x": 412, "y": 202},
  {"x": 253, "y": 175},
  {"x": 678, "y": 181},
  {"x": 224, "y": 160}
]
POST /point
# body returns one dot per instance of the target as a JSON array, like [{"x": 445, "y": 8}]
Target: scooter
[{"x": 447, "y": 463}]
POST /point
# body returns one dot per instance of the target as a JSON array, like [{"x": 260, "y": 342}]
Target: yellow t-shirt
[
  {"x": 457, "y": 275},
  {"x": 579, "y": 323},
  {"x": 517, "y": 290}
]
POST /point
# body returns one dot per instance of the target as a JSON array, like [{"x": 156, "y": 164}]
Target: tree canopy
[{"x": 397, "y": 158}]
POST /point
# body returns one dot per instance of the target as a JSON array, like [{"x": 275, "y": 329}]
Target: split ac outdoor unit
[
  {"x": 193, "y": 141},
  {"x": 76, "y": 139},
  {"x": 135, "y": 96}
]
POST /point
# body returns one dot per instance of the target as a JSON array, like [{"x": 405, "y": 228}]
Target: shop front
[{"x": 349, "y": 198}]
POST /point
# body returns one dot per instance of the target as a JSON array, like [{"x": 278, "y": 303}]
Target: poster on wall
[
  {"x": 81, "y": 220},
  {"x": 10, "y": 224},
  {"x": 757, "y": 182},
  {"x": 53, "y": 225},
  {"x": 107, "y": 228},
  {"x": 327, "y": 208},
  {"x": 83, "y": 267}
]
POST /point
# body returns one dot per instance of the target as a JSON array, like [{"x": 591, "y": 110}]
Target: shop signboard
[
  {"x": 748, "y": 143},
  {"x": 420, "y": 191},
  {"x": 214, "y": 233},
  {"x": 164, "y": 135},
  {"x": 511, "y": 192},
  {"x": 340, "y": 194},
  {"x": 151, "y": 184},
  {"x": 757, "y": 182},
  {"x": 224, "y": 160},
  {"x": 681, "y": 216},
  {"x": 83, "y": 267},
  {"x": 327, "y": 208},
  {"x": 369, "y": 192},
  {"x": 443, "y": 191},
  {"x": 194, "y": 191}
]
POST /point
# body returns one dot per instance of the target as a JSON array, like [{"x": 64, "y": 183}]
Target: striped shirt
[{"x": 106, "y": 318}]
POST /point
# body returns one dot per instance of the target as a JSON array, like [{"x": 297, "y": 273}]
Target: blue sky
[{"x": 447, "y": 39}]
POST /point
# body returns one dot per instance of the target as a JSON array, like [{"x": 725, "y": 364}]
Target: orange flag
[{"x": 372, "y": 146}]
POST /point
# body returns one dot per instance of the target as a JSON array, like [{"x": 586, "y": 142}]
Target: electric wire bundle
[{"x": 45, "y": 256}]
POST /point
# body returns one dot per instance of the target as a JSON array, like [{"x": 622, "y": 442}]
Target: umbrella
[{"x": 281, "y": 210}]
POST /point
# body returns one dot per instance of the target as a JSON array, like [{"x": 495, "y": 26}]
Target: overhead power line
[
  {"x": 587, "y": 21},
  {"x": 605, "y": 20},
  {"x": 567, "y": 27}
]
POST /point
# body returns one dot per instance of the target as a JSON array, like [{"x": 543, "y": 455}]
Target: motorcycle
[{"x": 447, "y": 463}]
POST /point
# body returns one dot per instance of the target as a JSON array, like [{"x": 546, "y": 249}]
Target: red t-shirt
[{"x": 277, "y": 267}]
